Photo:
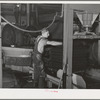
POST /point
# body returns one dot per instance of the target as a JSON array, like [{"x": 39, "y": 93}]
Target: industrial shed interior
[{"x": 73, "y": 65}]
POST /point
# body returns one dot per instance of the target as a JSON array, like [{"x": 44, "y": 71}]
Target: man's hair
[{"x": 44, "y": 30}]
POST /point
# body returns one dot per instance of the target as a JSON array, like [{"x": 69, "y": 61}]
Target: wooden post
[
  {"x": 67, "y": 44},
  {"x": 65, "y": 35},
  {"x": 0, "y": 52},
  {"x": 70, "y": 49},
  {"x": 49, "y": 84}
]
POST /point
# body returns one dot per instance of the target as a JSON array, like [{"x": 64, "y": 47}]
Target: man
[{"x": 41, "y": 41}]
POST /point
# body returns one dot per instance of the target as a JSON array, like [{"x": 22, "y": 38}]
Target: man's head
[{"x": 45, "y": 33}]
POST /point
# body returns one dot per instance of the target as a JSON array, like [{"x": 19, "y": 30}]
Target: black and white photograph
[{"x": 49, "y": 46}]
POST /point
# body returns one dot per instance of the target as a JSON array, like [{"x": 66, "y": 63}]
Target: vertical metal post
[
  {"x": 67, "y": 44},
  {"x": 0, "y": 52},
  {"x": 34, "y": 14},
  {"x": 99, "y": 41},
  {"x": 20, "y": 14},
  {"x": 28, "y": 14},
  {"x": 37, "y": 15}
]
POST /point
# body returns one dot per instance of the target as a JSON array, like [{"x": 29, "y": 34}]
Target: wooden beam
[
  {"x": 53, "y": 80},
  {"x": 65, "y": 35},
  {"x": 93, "y": 8},
  {"x": 70, "y": 49},
  {"x": 67, "y": 44}
]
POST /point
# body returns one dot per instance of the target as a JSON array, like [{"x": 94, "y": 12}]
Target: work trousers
[{"x": 39, "y": 74}]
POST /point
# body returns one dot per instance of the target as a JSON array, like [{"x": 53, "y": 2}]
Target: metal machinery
[
  {"x": 87, "y": 19},
  {"x": 76, "y": 46},
  {"x": 16, "y": 58},
  {"x": 19, "y": 61},
  {"x": 71, "y": 38},
  {"x": 86, "y": 14}
]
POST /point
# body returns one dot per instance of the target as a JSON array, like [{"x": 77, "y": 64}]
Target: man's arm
[{"x": 54, "y": 43}]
